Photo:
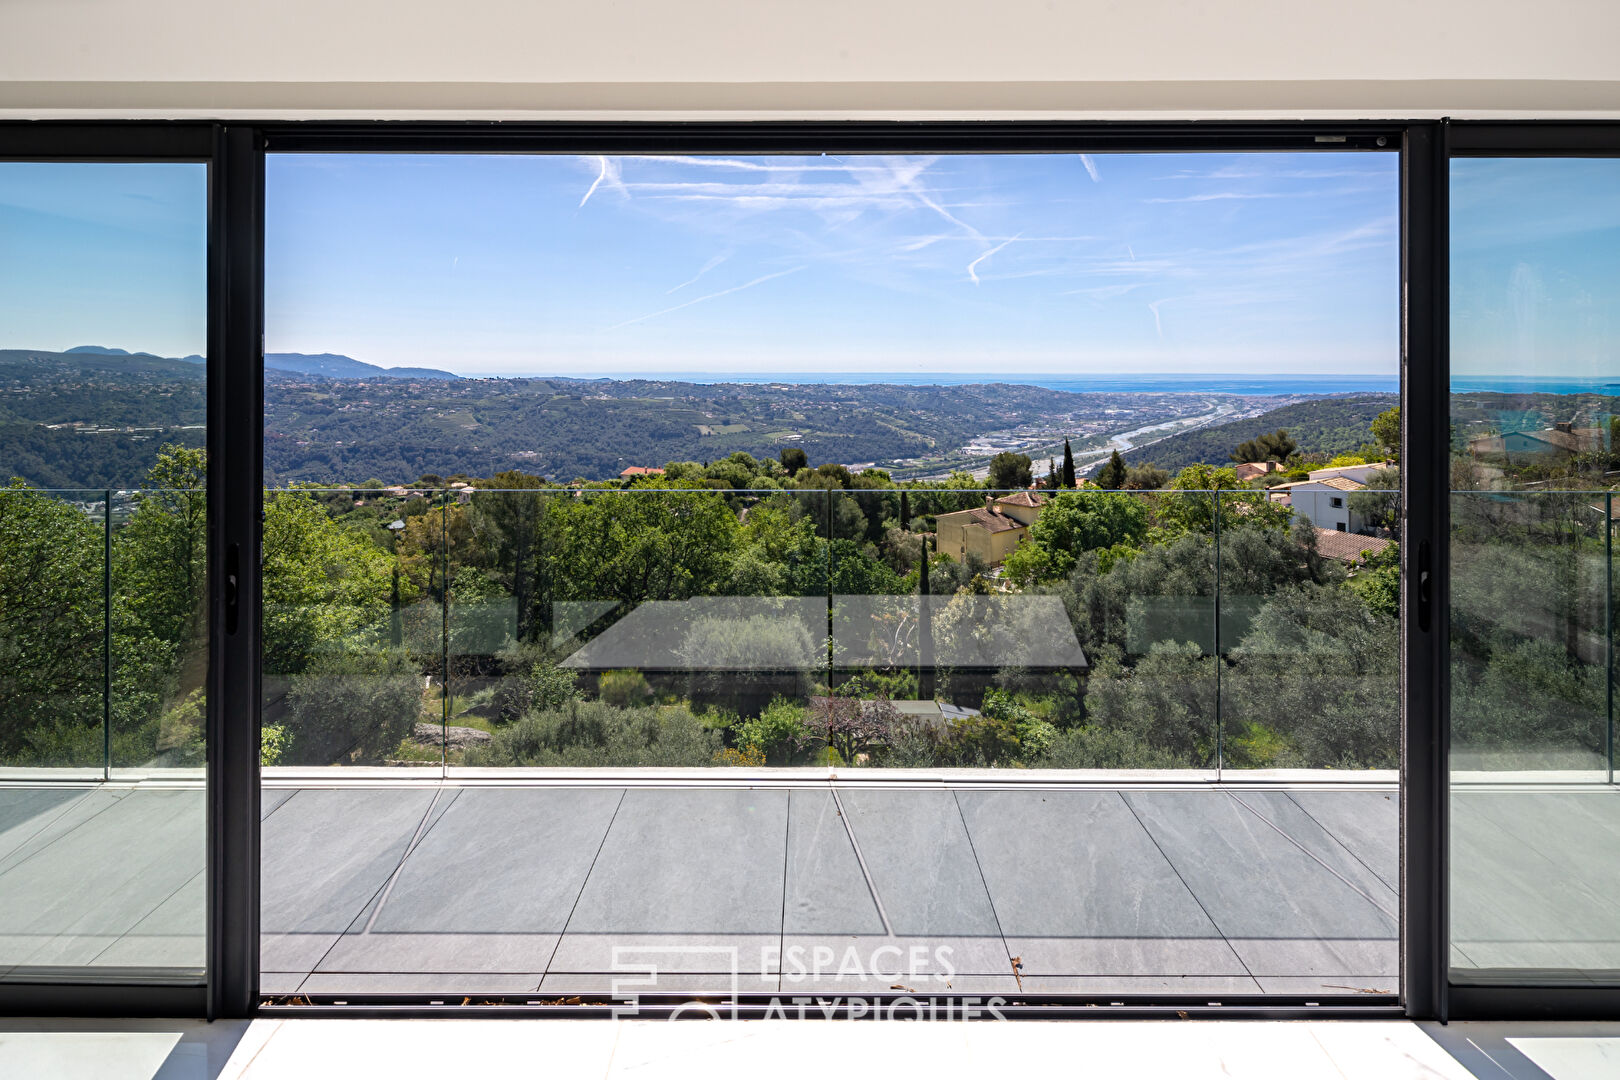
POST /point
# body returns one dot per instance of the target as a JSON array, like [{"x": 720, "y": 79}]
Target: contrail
[
  {"x": 1091, "y": 167},
  {"x": 710, "y": 296},
  {"x": 710, "y": 265},
  {"x": 972, "y": 271},
  {"x": 607, "y": 167}
]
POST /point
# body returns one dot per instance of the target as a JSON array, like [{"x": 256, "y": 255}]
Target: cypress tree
[
  {"x": 1112, "y": 475},
  {"x": 1068, "y": 465}
]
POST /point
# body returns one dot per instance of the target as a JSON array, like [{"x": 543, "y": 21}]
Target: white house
[{"x": 1325, "y": 497}]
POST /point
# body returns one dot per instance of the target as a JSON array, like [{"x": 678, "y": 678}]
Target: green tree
[
  {"x": 1274, "y": 447},
  {"x": 323, "y": 583},
  {"x": 1111, "y": 477},
  {"x": 51, "y": 630},
  {"x": 1010, "y": 472},
  {"x": 1386, "y": 429},
  {"x": 1145, "y": 477},
  {"x": 794, "y": 459},
  {"x": 351, "y": 707},
  {"x": 1073, "y": 522},
  {"x": 1068, "y": 465}
]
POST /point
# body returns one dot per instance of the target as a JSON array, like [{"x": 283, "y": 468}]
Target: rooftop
[{"x": 1346, "y": 546}]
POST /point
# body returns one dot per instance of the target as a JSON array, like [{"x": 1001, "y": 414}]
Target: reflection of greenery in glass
[{"x": 1528, "y": 632}]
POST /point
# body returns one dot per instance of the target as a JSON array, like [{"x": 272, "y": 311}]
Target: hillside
[{"x": 1330, "y": 426}]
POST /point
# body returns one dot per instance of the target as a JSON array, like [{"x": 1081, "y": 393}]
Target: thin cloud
[
  {"x": 1104, "y": 292},
  {"x": 710, "y": 296},
  {"x": 1239, "y": 172},
  {"x": 704, "y": 269},
  {"x": 1212, "y": 196},
  {"x": 752, "y": 166},
  {"x": 1158, "y": 324},
  {"x": 973, "y": 267},
  {"x": 1091, "y": 168}
]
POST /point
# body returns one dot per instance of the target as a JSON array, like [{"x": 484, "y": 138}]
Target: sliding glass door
[
  {"x": 103, "y": 585},
  {"x": 641, "y": 530},
  {"x": 1535, "y": 459}
]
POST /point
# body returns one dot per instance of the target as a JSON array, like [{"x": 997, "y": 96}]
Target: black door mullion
[
  {"x": 1425, "y": 511},
  {"x": 236, "y": 497}
]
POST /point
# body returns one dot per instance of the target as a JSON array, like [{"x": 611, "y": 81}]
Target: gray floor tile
[
  {"x": 488, "y": 888},
  {"x": 1367, "y": 823},
  {"x": 325, "y": 854},
  {"x": 687, "y": 879},
  {"x": 1282, "y": 911},
  {"x": 1279, "y": 809},
  {"x": 29, "y": 837},
  {"x": 1539, "y": 866},
  {"x": 927, "y": 884},
  {"x": 25, "y": 811},
  {"x": 174, "y": 934},
  {"x": 270, "y": 799},
  {"x": 1080, "y": 888},
  {"x": 1534, "y": 883},
  {"x": 827, "y": 893},
  {"x": 70, "y": 899}
]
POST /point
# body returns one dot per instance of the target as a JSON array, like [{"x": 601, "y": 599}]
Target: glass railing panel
[
  {"x": 1309, "y": 607},
  {"x": 1070, "y": 630},
  {"x": 53, "y": 632},
  {"x": 353, "y": 628},
  {"x": 660, "y": 629},
  {"x": 159, "y": 588},
  {"x": 1531, "y": 636}
]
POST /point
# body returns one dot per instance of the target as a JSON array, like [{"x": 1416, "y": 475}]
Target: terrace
[{"x": 604, "y": 887}]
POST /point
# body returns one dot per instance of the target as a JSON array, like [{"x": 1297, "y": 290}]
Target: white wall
[{"x": 1097, "y": 58}]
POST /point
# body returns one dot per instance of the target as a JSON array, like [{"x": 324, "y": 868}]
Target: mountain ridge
[{"x": 328, "y": 365}]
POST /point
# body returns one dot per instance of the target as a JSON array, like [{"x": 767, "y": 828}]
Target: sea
[{"x": 1250, "y": 385}]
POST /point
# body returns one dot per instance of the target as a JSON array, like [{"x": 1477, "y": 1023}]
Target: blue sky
[
  {"x": 104, "y": 254},
  {"x": 975, "y": 264},
  {"x": 1535, "y": 267},
  {"x": 1005, "y": 264}
]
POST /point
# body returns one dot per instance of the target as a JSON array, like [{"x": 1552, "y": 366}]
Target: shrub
[
  {"x": 353, "y": 706},
  {"x": 532, "y": 682},
  {"x": 851, "y": 726},
  {"x": 587, "y": 734},
  {"x": 747, "y": 757},
  {"x": 1105, "y": 748},
  {"x": 777, "y": 734},
  {"x": 624, "y": 687},
  {"x": 272, "y": 744},
  {"x": 1005, "y": 733}
]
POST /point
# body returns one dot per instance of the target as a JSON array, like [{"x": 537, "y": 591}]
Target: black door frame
[{"x": 236, "y": 155}]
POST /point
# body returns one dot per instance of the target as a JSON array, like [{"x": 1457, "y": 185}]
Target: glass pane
[
  {"x": 103, "y": 639},
  {"x": 1535, "y": 818},
  {"x": 353, "y": 630},
  {"x": 783, "y": 543},
  {"x": 1310, "y": 665}
]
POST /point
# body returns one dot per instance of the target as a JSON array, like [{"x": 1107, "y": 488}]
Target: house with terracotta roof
[
  {"x": 639, "y": 470},
  {"x": 1348, "y": 547},
  {"x": 1253, "y": 470},
  {"x": 991, "y": 532}
]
